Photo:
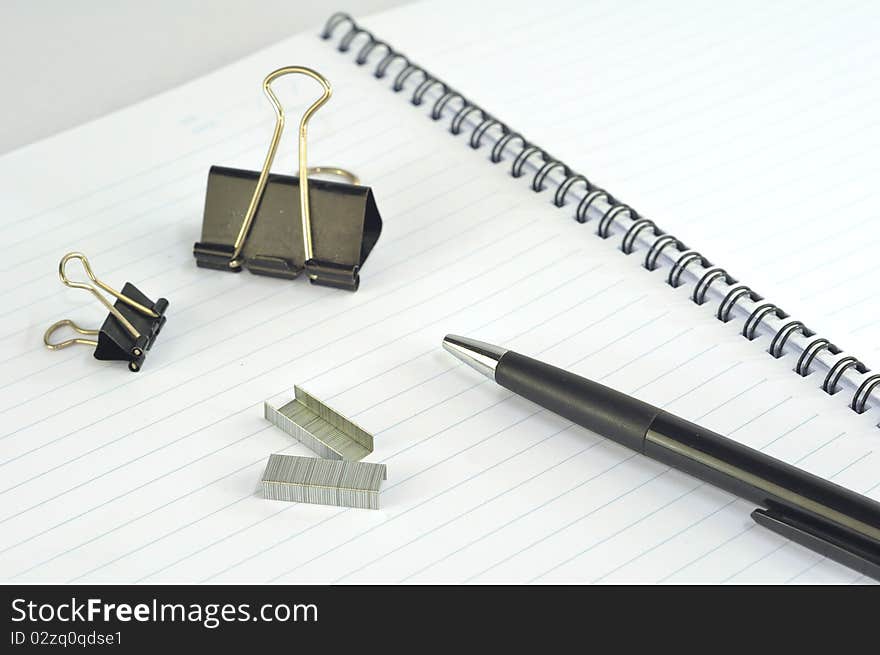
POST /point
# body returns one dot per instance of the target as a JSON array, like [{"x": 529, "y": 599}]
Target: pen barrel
[
  {"x": 762, "y": 479},
  {"x": 594, "y": 406},
  {"x": 810, "y": 510}
]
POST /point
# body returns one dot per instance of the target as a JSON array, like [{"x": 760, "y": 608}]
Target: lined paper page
[
  {"x": 116, "y": 477},
  {"x": 749, "y": 130}
]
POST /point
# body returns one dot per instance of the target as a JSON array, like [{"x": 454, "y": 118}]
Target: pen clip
[{"x": 829, "y": 540}]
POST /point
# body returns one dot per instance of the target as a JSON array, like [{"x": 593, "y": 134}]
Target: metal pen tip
[{"x": 479, "y": 355}]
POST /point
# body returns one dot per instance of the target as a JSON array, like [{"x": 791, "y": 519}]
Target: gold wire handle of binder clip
[
  {"x": 336, "y": 172},
  {"x": 303, "y": 167},
  {"x": 62, "y": 273},
  {"x": 69, "y": 342}
]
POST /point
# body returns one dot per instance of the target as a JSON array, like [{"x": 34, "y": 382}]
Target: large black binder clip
[
  {"x": 282, "y": 225},
  {"x": 130, "y": 329}
]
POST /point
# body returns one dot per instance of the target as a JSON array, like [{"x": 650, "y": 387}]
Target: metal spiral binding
[
  {"x": 687, "y": 257},
  {"x": 657, "y": 247},
  {"x": 629, "y": 239},
  {"x": 702, "y": 286},
  {"x": 864, "y": 392},
  {"x": 758, "y": 315},
  {"x": 782, "y": 335},
  {"x": 802, "y": 367},
  {"x": 829, "y": 386},
  {"x": 527, "y": 150}
]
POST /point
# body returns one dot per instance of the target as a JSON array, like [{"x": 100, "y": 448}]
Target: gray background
[{"x": 66, "y": 62}]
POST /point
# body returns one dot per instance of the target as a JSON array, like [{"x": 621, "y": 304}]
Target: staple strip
[
  {"x": 329, "y": 434},
  {"x": 323, "y": 481}
]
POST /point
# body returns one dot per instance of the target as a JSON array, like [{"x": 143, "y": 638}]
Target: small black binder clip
[
  {"x": 282, "y": 225},
  {"x": 129, "y": 330}
]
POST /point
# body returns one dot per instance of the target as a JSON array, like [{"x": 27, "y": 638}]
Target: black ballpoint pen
[{"x": 815, "y": 513}]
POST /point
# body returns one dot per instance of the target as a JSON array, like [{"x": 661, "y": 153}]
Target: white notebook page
[
  {"x": 747, "y": 129},
  {"x": 112, "y": 476}
]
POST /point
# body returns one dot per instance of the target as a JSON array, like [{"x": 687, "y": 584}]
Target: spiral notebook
[{"x": 667, "y": 125}]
